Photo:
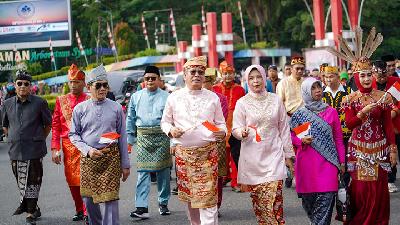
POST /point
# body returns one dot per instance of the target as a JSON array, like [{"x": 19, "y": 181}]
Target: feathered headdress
[{"x": 360, "y": 58}]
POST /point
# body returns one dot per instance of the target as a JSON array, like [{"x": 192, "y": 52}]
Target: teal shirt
[{"x": 145, "y": 110}]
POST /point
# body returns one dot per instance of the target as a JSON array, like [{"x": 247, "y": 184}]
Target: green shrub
[
  {"x": 259, "y": 45},
  {"x": 52, "y": 104},
  {"x": 240, "y": 46},
  {"x": 147, "y": 52}
]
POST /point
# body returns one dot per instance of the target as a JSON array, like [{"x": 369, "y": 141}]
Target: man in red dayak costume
[
  {"x": 233, "y": 92},
  {"x": 61, "y": 125}
]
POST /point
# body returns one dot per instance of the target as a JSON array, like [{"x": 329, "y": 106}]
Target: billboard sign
[{"x": 31, "y": 24}]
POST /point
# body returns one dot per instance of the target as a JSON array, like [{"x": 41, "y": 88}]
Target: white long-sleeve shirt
[{"x": 187, "y": 109}]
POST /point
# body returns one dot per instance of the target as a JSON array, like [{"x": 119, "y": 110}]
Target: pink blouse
[{"x": 263, "y": 161}]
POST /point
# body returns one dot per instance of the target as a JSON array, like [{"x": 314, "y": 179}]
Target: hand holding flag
[
  {"x": 257, "y": 137},
  {"x": 302, "y": 130},
  {"x": 109, "y": 139},
  {"x": 394, "y": 90}
]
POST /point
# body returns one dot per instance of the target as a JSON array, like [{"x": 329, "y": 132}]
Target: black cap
[
  {"x": 388, "y": 58},
  {"x": 23, "y": 75},
  {"x": 272, "y": 66},
  {"x": 152, "y": 69}
]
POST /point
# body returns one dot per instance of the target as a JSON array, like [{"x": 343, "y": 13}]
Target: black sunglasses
[
  {"x": 99, "y": 85},
  {"x": 20, "y": 83},
  {"x": 150, "y": 78}
]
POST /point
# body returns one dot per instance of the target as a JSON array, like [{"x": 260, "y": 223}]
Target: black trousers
[{"x": 235, "y": 149}]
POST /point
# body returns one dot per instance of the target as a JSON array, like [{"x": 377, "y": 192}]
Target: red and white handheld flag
[
  {"x": 394, "y": 90},
  {"x": 257, "y": 136},
  {"x": 302, "y": 130},
  {"x": 109, "y": 138}
]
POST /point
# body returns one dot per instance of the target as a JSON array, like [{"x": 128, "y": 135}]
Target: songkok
[
  {"x": 322, "y": 67},
  {"x": 359, "y": 58},
  {"x": 273, "y": 67},
  {"x": 331, "y": 69},
  {"x": 98, "y": 73},
  {"x": 344, "y": 75},
  {"x": 23, "y": 75},
  {"x": 224, "y": 67},
  {"x": 388, "y": 58},
  {"x": 379, "y": 66},
  {"x": 75, "y": 74},
  {"x": 196, "y": 61},
  {"x": 152, "y": 69},
  {"x": 297, "y": 60}
]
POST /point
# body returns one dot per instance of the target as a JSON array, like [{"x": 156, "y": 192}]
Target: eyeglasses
[
  {"x": 20, "y": 83},
  {"x": 199, "y": 72},
  {"x": 99, "y": 85},
  {"x": 150, "y": 78}
]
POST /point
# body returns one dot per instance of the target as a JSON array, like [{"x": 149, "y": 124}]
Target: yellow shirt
[{"x": 289, "y": 90}]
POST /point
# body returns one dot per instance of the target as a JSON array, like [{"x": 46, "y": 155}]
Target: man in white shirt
[{"x": 193, "y": 118}]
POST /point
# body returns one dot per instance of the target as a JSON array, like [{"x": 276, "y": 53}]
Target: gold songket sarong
[
  {"x": 222, "y": 163},
  {"x": 100, "y": 178},
  {"x": 197, "y": 171}
]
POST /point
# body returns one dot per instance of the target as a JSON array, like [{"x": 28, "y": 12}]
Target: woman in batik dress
[
  {"x": 261, "y": 123},
  {"x": 320, "y": 154}
]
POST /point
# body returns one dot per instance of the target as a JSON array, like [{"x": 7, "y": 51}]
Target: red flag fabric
[
  {"x": 257, "y": 137},
  {"x": 210, "y": 126}
]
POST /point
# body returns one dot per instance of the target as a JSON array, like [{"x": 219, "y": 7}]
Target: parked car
[{"x": 125, "y": 81}]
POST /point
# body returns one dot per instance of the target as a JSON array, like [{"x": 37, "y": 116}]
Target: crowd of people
[{"x": 314, "y": 132}]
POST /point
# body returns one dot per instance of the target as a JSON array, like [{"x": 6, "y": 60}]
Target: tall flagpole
[
  {"x": 78, "y": 39},
  {"x": 241, "y": 20},
  {"x": 203, "y": 20},
  {"x": 112, "y": 43},
  {"x": 172, "y": 20},
  {"x": 146, "y": 37},
  {"x": 52, "y": 58}
]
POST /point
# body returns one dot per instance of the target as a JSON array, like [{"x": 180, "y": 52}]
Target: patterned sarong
[
  {"x": 268, "y": 202},
  {"x": 152, "y": 149},
  {"x": 71, "y": 162},
  {"x": 28, "y": 174},
  {"x": 100, "y": 178},
  {"x": 222, "y": 162},
  {"x": 197, "y": 171}
]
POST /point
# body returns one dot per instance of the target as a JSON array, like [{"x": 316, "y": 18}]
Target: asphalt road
[{"x": 57, "y": 206}]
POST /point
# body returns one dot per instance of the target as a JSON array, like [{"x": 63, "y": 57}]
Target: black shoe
[
  {"x": 174, "y": 191},
  {"x": 288, "y": 182},
  {"x": 86, "y": 219},
  {"x": 78, "y": 216},
  {"x": 140, "y": 212},
  {"x": 164, "y": 211},
  {"x": 37, "y": 213},
  {"x": 30, "y": 220},
  {"x": 18, "y": 211}
]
